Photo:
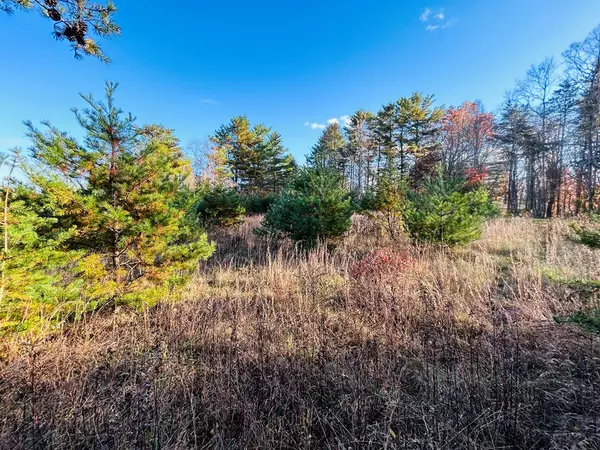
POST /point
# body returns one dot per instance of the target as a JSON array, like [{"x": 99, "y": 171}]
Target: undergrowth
[{"x": 376, "y": 344}]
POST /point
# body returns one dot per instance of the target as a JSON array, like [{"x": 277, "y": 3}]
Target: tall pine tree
[
  {"x": 256, "y": 157},
  {"x": 362, "y": 150},
  {"x": 417, "y": 132},
  {"x": 330, "y": 149}
]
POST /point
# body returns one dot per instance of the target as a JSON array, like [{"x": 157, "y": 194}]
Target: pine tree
[
  {"x": 39, "y": 280},
  {"x": 73, "y": 21},
  {"x": 564, "y": 105},
  {"x": 406, "y": 130},
  {"x": 237, "y": 141},
  {"x": 362, "y": 150},
  {"x": 255, "y": 155},
  {"x": 417, "y": 129},
  {"x": 583, "y": 62},
  {"x": 386, "y": 201},
  {"x": 384, "y": 129},
  {"x": 445, "y": 211},
  {"x": 315, "y": 207},
  {"x": 516, "y": 137},
  {"x": 330, "y": 150},
  {"x": 119, "y": 191},
  {"x": 37, "y": 287},
  {"x": 277, "y": 165},
  {"x": 218, "y": 206}
]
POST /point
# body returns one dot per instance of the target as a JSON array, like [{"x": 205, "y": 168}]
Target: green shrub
[
  {"x": 315, "y": 207},
  {"x": 588, "y": 320},
  {"x": 220, "y": 206},
  {"x": 258, "y": 203},
  {"x": 588, "y": 235},
  {"x": 447, "y": 211},
  {"x": 357, "y": 201},
  {"x": 384, "y": 204}
]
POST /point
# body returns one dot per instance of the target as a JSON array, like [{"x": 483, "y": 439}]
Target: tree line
[{"x": 540, "y": 152}]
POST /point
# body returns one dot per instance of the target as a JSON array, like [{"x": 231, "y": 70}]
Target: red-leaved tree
[{"x": 467, "y": 132}]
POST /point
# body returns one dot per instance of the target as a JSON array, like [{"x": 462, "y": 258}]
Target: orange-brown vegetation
[{"x": 374, "y": 344}]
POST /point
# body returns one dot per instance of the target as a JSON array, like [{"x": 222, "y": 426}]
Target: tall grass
[{"x": 369, "y": 345}]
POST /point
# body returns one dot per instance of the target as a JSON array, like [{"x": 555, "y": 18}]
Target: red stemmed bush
[{"x": 380, "y": 263}]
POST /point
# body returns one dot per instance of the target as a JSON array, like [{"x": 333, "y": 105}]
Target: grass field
[{"x": 372, "y": 345}]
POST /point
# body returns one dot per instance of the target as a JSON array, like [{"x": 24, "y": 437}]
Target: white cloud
[
  {"x": 210, "y": 101},
  {"x": 436, "y": 19},
  {"x": 345, "y": 119},
  {"x": 342, "y": 120},
  {"x": 448, "y": 23},
  {"x": 314, "y": 126}
]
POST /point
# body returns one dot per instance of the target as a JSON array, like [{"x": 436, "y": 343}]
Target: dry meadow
[{"x": 373, "y": 344}]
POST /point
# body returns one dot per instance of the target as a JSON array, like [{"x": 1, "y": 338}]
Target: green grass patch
[
  {"x": 582, "y": 284},
  {"x": 588, "y": 320}
]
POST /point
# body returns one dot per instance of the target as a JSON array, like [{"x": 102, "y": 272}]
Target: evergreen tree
[
  {"x": 516, "y": 137},
  {"x": 315, "y": 207},
  {"x": 362, "y": 150},
  {"x": 255, "y": 155},
  {"x": 407, "y": 130},
  {"x": 330, "y": 149},
  {"x": 119, "y": 191},
  {"x": 417, "y": 129},
  {"x": 384, "y": 135},
  {"x": 564, "y": 106},
  {"x": 385, "y": 203},
  {"x": 73, "y": 21},
  {"x": 445, "y": 211},
  {"x": 39, "y": 275},
  {"x": 238, "y": 142},
  {"x": 219, "y": 206},
  {"x": 583, "y": 63},
  {"x": 276, "y": 165}
]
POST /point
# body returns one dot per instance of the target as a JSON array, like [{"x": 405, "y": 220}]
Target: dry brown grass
[{"x": 275, "y": 348}]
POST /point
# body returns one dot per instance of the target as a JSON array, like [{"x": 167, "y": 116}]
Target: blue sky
[{"x": 285, "y": 64}]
